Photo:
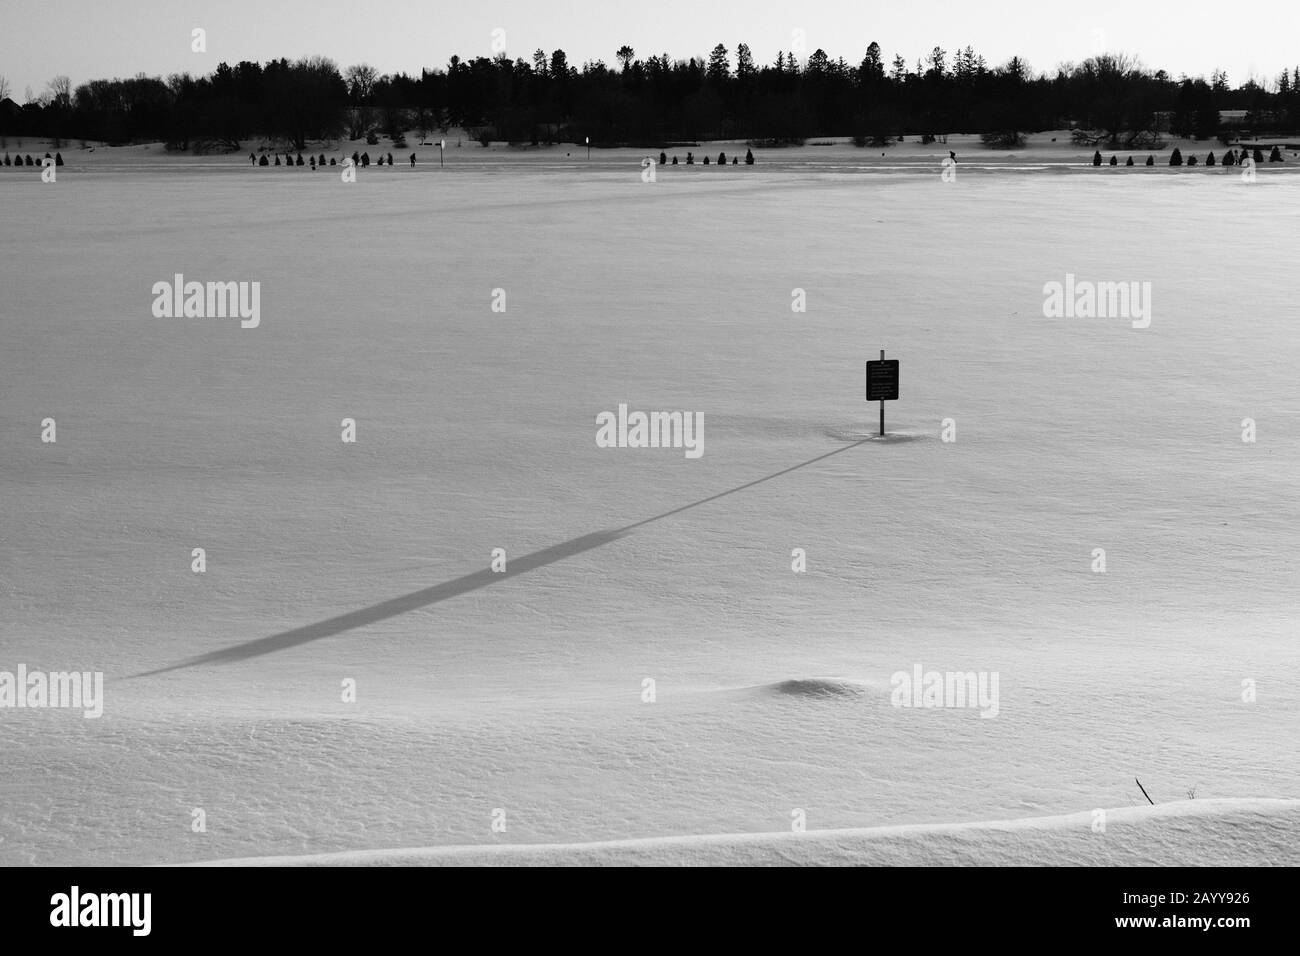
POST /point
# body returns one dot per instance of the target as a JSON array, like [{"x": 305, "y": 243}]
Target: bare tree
[
  {"x": 60, "y": 92},
  {"x": 5, "y": 88},
  {"x": 361, "y": 79}
]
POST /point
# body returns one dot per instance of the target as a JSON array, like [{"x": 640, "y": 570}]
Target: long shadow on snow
[{"x": 456, "y": 587}]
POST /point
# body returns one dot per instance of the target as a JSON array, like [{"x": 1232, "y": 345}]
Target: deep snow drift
[
  {"x": 1200, "y": 833},
  {"x": 523, "y": 692}
]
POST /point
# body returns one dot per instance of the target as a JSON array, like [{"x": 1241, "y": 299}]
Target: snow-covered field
[{"x": 523, "y": 692}]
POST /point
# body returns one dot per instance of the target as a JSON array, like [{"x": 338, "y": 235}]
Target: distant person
[
  {"x": 252, "y": 160},
  {"x": 412, "y": 160},
  {"x": 663, "y": 159}
]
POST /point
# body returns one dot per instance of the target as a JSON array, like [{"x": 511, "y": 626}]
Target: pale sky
[{"x": 87, "y": 39}]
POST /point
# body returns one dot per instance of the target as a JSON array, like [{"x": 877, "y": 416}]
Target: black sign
[{"x": 882, "y": 380}]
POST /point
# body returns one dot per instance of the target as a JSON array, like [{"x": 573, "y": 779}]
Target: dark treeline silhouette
[{"x": 1110, "y": 100}]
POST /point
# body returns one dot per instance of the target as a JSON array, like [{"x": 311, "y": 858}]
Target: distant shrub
[
  {"x": 1209, "y": 160},
  {"x": 321, "y": 161},
  {"x": 8, "y": 161},
  {"x": 1176, "y": 157},
  {"x": 484, "y": 138},
  {"x": 365, "y": 160},
  {"x": 690, "y": 159},
  {"x": 333, "y": 162},
  {"x": 299, "y": 162},
  {"x": 1129, "y": 161},
  {"x": 1275, "y": 156},
  {"x": 706, "y": 160},
  {"x": 722, "y": 159},
  {"x": 749, "y": 157},
  {"x": 1151, "y": 160},
  {"x": 1114, "y": 161},
  {"x": 674, "y": 160},
  {"x": 1003, "y": 139},
  {"x": 1096, "y": 158},
  {"x": 356, "y": 158},
  {"x": 1191, "y": 160},
  {"x": 371, "y": 138},
  {"x": 1258, "y": 155},
  {"x": 277, "y": 159},
  {"x": 1230, "y": 158},
  {"x": 263, "y": 161},
  {"x": 58, "y": 157},
  {"x": 735, "y": 160},
  {"x": 861, "y": 141},
  {"x": 29, "y": 160}
]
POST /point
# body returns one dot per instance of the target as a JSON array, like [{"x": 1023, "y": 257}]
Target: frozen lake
[{"x": 370, "y": 561}]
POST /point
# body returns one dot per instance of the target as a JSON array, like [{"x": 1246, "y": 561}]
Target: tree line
[{"x": 1110, "y": 99}]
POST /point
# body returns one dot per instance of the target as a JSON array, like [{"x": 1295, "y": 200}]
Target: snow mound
[
  {"x": 1227, "y": 832},
  {"x": 818, "y": 688}
]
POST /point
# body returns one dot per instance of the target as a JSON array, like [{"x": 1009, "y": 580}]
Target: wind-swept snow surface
[
  {"x": 649, "y": 664},
  {"x": 1200, "y": 833}
]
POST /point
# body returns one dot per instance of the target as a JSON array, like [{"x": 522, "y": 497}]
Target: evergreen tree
[{"x": 1176, "y": 157}]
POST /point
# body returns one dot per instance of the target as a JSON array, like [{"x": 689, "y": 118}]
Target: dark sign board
[{"x": 882, "y": 380}]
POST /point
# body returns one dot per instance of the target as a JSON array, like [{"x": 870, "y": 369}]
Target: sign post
[
  {"x": 589, "y": 149},
  {"x": 882, "y": 384},
  {"x": 442, "y": 151}
]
